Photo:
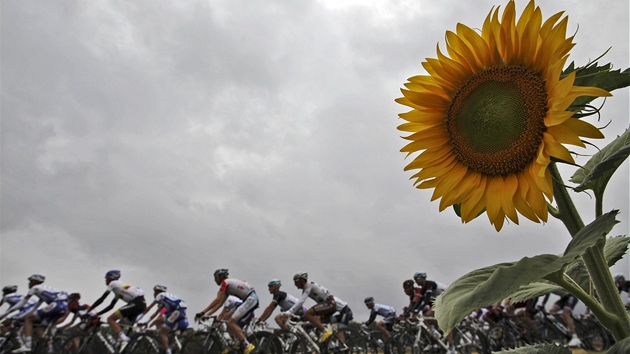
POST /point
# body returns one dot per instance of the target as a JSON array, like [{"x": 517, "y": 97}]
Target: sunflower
[{"x": 493, "y": 113}]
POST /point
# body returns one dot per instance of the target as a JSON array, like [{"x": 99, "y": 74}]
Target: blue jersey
[
  {"x": 170, "y": 302},
  {"x": 48, "y": 294}
]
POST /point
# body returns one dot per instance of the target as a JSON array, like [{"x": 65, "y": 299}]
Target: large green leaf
[
  {"x": 615, "y": 249},
  {"x": 488, "y": 285},
  {"x": 539, "y": 349},
  {"x": 600, "y": 168},
  {"x": 621, "y": 347}
]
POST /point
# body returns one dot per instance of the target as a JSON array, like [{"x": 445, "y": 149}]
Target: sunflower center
[{"x": 495, "y": 122}]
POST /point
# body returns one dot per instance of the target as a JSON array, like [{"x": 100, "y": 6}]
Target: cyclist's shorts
[
  {"x": 176, "y": 320},
  {"x": 53, "y": 309},
  {"x": 567, "y": 302},
  {"x": 326, "y": 307},
  {"x": 344, "y": 316},
  {"x": 248, "y": 306},
  {"x": 133, "y": 309}
]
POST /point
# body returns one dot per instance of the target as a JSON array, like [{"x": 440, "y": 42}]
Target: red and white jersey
[
  {"x": 124, "y": 291},
  {"x": 239, "y": 288}
]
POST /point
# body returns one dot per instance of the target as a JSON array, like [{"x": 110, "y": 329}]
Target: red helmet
[{"x": 408, "y": 283}]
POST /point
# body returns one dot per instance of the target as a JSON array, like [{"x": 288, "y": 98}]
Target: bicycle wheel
[
  {"x": 500, "y": 338},
  {"x": 285, "y": 341},
  {"x": 201, "y": 342},
  {"x": 8, "y": 344},
  {"x": 468, "y": 340},
  {"x": 553, "y": 334},
  {"x": 142, "y": 344},
  {"x": 259, "y": 340},
  {"x": 345, "y": 340},
  {"x": 592, "y": 335},
  {"x": 48, "y": 345},
  {"x": 84, "y": 344}
]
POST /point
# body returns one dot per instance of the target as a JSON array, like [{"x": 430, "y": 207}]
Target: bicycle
[
  {"x": 300, "y": 338},
  {"x": 211, "y": 338},
  {"x": 419, "y": 337},
  {"x": 49, "y": 341},
  {"x": 374, "y": 345},
  {"x": 100, "y": 340}
]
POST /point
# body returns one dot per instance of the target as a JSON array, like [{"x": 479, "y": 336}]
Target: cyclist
[
  {"x": 326, "y": 305},
  {"x": 245, "y": 293},
  {"x": 133, "y": 296},
  {"x": 282, "y": 299},
  {"x": 387, "y": 312},
  {"x": 56, "y": 299},
  {"x": 430, "y": 290},
  {"x": 623, "y": 285},
  {"x": 566, "y": 304},
  {"x": 172, "y": 311},
  {"x": 79, "y": 311},
  {"x": 415, "y": 299},
  {"x": 11, "y": 297}
]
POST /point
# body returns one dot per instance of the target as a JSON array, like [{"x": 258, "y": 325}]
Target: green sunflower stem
[{"x": 612, "y": 314}]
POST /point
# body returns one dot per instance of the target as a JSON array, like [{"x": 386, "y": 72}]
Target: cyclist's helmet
[
  {"x": 160, "y": 288},
  {"x": 9, "y": 289},
  {"x": 274, "y": 282},
  {"x": 37, "y": 278},
  {"x": 420, "y": 275},
  {"x": 368, "y": 300},
  {"x": 619, "y": 277},
  {"x": 408, "y": 284},
  {"x": 74, "y": 296},
  {"x": 113, "y": 275},
  {"x": 221, "y": 271},
  {"x": 303, "y": 275}
]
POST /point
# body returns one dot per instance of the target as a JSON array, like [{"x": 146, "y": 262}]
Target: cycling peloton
[
  {"x": 172, "y": 314},
  {"x": 282, "y": 299},
  {"x": 56, "y": 299},
  {"x": 133, "y": 296},
  {"x": 326, "y": 305},
  {"x": 387, "y": 312},
  {"x": 245, "y": 293}
]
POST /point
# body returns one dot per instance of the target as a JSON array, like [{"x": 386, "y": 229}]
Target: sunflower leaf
[
  {"x": 539, "y": 349},
  {"x": 600, "y": 168},
  {"x": 595, "y": 75},
  {"x": 485, "y": 286},
  {"x": 621, "y": 347}
]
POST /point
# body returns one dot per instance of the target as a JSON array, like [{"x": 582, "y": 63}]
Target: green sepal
[
  {"x": 488, "y": 285},
  {"x": 539, "y": 349},
  {"x": 600, "y": 168}
]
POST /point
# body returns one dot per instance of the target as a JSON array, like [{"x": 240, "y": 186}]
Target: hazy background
[{"x": 170, "y": 138}]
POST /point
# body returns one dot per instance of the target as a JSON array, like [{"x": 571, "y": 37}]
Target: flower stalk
[{"x": 612, "y": 314}]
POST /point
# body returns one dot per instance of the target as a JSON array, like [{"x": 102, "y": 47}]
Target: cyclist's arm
[
  {"x": 17, "y": 306},
  {"x": 300, "y": 301},
  {"x": 268, "y": 310},
  {"x": 63, "y": 318},
  {"x": 100, "y": 300},
  {"x": 371, "y": 319},
  {"x": 215, "y": 304},
  {"x": 109, "y": 307}
]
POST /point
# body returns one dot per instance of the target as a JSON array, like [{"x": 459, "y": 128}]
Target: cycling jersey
[
  {"x": 313, "y": 290},
  {"x": 124, "y": 291},
  {"x": 387, "y": 312},
  {"x": 47, "y": 294},
  {"x": 169, "y": 302},
  {"x": 239, "y": 288},
  {"x": 286, "y": 301}
]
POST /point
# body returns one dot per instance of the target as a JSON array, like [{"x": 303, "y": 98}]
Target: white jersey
[
  {"x": 313, "y": 290},
  {"x": 239, "y": 288},
  {"x": 14, "y": 298},
  {"x": 124, "y": 291},
  {"x": 170, "y": 302}
]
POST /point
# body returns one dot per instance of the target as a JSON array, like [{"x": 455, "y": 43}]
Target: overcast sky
[{"x": 170, "y": 138}]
